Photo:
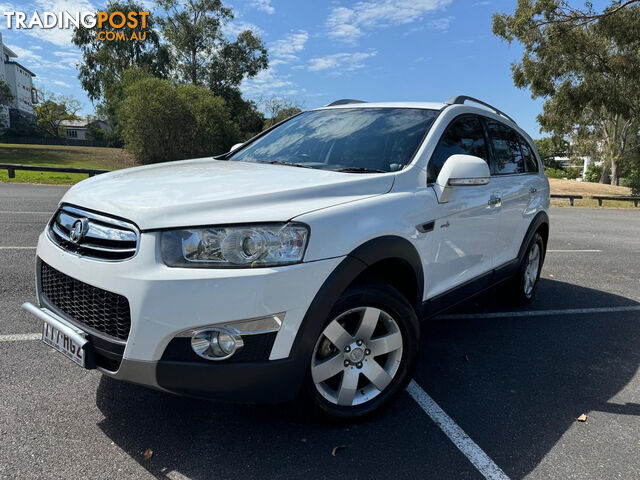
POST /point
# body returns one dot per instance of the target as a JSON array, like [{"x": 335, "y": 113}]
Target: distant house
[
  {"x": 77, "y": 129},
  {"x": 20, "y": 79}
]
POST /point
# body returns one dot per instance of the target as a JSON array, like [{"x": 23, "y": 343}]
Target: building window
[{"x": 72, "y": 133}]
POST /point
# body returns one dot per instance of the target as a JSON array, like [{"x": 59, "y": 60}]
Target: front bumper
[{"x": 166, "y": 301}]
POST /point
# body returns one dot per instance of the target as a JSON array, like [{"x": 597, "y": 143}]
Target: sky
[{"x": 372, "y": 50}]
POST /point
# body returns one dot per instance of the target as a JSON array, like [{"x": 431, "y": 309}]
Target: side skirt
[{"x": 469, "y": 289}]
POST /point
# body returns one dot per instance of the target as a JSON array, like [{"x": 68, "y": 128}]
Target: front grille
[
  {"x": 101, "y": 311},
  {"x": 93, "y": 235}
]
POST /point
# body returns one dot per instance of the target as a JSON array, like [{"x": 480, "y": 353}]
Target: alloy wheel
[
  {"x": 531, "y": 272},
  {"x": 357, "y": 356}
]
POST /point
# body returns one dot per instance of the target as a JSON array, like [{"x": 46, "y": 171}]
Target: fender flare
[
  {"x": 540, "y": 219},
  {"x": 355, "y": 263}
]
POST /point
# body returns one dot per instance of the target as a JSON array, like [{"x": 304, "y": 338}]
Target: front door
[{"x": 465, "y": 230}]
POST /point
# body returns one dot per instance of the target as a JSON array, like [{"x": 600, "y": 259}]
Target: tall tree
[
  {"x": 585, "y": 65},
  {"x": 202, "y": 53},
  {"x": 105, "y": 61}
]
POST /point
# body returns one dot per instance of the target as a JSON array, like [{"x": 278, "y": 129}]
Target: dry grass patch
[
  {"x": 571, "y": 187},
  {"x": 586, "y": 189}
]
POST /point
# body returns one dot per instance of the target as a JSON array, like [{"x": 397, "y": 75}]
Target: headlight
[{"x": 264, "y": 245}]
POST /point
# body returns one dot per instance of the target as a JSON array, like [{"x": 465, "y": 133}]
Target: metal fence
[{"x": 54, "y": 141}]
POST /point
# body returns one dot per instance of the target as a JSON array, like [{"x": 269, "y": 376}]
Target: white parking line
[
  {"x": 460, "y": 439},
  {"x": 175, "y": 475},
  {"x": 18, "y": 248},
  {"x": 541, "y": 313},
  {"x": 574, "y": 251},
  {"x": 478, "y": 458},
  {"x": 20, "y": 337}
]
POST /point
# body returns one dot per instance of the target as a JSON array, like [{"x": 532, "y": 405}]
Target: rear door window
[
  {"x": 506, "y": 148},
  {"x": 529, "y": 158},
  {"x": 463, "y": 136}
]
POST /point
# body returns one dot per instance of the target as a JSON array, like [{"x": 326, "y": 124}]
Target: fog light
[{"x": 216, "y": 343}]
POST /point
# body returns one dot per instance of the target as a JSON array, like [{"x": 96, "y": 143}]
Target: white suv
[{"x": 299, "y": 264}]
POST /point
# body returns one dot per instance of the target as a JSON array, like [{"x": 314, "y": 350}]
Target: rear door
[
  {"x": 509, "y": 177},
  {"x": 465, "y": 229}
]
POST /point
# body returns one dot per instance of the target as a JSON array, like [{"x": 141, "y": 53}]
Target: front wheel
[{"x": 365, "y": 353}]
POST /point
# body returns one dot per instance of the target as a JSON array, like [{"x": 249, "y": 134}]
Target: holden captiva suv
[{"x": 299, "y": 264}]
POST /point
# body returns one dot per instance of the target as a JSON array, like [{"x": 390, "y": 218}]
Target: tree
[
  {"x": 551, "y": 147},
  {"x": 54, "y": 110},
  {"x": 193, "y": 29},
  {"x": 245, "y": 113},
  {"x": 6, "y": 97},
  {"x": 162, "y": 121},
  {"x": 565, "y": 13},
  {"x": 279, "y": 109},
  {"x": 105, "y": 61},
  {"x": 201, "y": 52},
  {"x": 585, "y": 65},
  {"x": 95, "y": 130},
  {"x": 234, "y": 62}
]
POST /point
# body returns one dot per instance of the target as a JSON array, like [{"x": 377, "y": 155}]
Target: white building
[
  {"x": 77, "y": 129},
  {"x": 20, "y": 79}
]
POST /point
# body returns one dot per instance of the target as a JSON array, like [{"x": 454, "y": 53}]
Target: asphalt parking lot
[{"x": 510, "y": 384}]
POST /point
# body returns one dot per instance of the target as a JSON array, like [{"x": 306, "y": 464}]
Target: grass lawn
[
  {"x": 60, "y": 156},
  {"x": 586, "y": 189}
]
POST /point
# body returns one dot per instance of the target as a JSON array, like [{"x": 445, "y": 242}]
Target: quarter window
[
  {"x": 529, "y": 157},
  {"x": 463, "y": 136},
  {"x": 506, "y": 147}
]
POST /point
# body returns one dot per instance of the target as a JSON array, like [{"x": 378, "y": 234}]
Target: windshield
[{"x": 351, "y": 139}]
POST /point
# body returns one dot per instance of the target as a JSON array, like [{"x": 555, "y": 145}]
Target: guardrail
[
  {"x": 11, "y": 169},
  {"x": 600, "y": 198},
  {"x": 570, "y": 197}
]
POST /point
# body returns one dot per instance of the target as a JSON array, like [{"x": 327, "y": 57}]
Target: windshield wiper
[
  {"x": 290, "y": 164},
  {"x": 359, "y": 170}
]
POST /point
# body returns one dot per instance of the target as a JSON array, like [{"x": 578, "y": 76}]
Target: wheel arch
[
  {"x": 380, "y": 257},
  {"x": 539, "y": 224}
]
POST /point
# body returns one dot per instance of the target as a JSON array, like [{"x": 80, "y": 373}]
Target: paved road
[{"x": 514, "y": 383}]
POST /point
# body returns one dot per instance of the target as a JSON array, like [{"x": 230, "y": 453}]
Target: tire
[
  {"x": 372, "y": 332},
  {"x": 523, "y": 285}
]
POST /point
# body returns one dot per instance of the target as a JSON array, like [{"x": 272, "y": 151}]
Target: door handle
[
  {"x": 494, "y": 201},
  {"x": 533, "y": 190}
]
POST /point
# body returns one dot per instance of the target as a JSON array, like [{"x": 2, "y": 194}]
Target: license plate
[{"x": 63, "y": 343}]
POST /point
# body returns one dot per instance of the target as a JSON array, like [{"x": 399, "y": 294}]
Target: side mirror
[
  {"x": 461, "y": 171},
  {"x": 235, "y": 147}
]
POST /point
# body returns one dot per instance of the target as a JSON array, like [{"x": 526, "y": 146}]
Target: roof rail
[
  {"x": 344, "y": 101},
  {"x": 460, "y": 99}
]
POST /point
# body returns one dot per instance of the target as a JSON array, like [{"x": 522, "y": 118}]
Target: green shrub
[
  {"x": 161, "y": 121},
  {"x": 555, "y": 173},
  {"x": 593, "y": 173},
  {"x": 573, "y": 172},
  {"x": 570, "y": 173}
]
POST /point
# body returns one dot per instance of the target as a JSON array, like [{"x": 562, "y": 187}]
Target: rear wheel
[
  {"x": 365, "y": 353},
  {"x": 524, "y": 283}
]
